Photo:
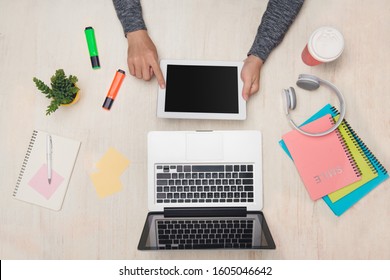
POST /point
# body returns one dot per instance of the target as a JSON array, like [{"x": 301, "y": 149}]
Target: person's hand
[
  {"x": 250, "y": 75},
  {"x": 142, "y": 57}
]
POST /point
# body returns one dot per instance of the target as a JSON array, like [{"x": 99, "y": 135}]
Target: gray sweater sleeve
[
  {"x": 275, "y": 22},
  {"x": 129, "y": 13}
]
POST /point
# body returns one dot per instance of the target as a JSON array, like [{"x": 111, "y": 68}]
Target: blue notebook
[{"x": 340, "y": 206}]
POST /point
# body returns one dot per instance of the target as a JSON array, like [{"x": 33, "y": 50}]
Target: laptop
[
  {"x": 201, "y": 90},
  {"x": 205, "y": 191}
]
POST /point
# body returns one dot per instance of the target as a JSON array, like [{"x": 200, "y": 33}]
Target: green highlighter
[{"x": 93, "y": 52}]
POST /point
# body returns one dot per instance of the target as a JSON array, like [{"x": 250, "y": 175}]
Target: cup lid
[{"x": 326, "y": 44}]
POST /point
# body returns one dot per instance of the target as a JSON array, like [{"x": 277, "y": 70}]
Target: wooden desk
[{"x": 38, "y": 37}]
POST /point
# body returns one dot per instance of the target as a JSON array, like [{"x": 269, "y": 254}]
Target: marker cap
[
  {"x": 108, "y": 103},
  {"x": 95, "y": 62}
]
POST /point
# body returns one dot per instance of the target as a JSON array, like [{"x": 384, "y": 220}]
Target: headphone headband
[{"x": 310, "y": 82}]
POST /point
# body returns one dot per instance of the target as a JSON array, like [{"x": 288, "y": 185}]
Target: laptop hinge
[{"x": 205, "y": 211}]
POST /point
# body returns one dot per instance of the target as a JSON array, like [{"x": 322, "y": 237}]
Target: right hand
[
  {"x": 142, "y": 57},
  {"x": 250, "y": 75}
]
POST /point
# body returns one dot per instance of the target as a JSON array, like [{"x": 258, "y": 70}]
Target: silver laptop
[{"x": 205, "y": 191}]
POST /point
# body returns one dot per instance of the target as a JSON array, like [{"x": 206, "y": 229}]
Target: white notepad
[{"x": 32, "y": 184}]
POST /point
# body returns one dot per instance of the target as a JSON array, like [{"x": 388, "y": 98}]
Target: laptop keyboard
[
  {"x": 205, "y": 233},
  {"x": 204, "y": 183}
]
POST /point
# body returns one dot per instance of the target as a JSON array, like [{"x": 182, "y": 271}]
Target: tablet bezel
[{"x": 161, "y": 113}]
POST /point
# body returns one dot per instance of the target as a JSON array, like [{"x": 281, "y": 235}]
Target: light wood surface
[{"x": 38, "y": 37}]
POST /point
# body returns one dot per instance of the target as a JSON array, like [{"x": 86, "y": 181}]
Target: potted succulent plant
[{"x": 63, "y": 90}]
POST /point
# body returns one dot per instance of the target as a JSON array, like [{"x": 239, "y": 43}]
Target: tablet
[{"x": 201, "y": 90}]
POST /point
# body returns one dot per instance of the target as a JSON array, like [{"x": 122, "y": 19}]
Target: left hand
[{"x": 250, "y": 75}]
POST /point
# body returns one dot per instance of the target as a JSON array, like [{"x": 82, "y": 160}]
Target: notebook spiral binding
[
  {"x": 25, "y": 161},
  {"x": 355, "y": 167},
  {"x": 370, "y": 157}
]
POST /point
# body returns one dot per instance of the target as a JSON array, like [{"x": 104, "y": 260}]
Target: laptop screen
[
  {"x": 243, "y": 232},
  {"x": 202, "y": 89}
]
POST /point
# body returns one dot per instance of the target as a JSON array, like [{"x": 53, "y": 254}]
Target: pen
[{"x": 49, "y": 151}]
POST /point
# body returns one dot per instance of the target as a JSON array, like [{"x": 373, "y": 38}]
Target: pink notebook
[{"x": 324, "y": 163}]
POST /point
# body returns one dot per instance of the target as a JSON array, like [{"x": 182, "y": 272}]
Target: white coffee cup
[{"x": 325, "y": 44}]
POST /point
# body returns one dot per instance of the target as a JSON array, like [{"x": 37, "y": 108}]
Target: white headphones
[{"x": 310, "y": 82}]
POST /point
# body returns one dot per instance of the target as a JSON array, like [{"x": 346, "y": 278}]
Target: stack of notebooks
[{"x": 338, "y": 167}]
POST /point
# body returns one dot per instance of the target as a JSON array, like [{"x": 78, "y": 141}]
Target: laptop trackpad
[{"x": 204, "y": 146}]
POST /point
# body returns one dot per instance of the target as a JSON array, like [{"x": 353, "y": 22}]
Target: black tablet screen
[{"x": 202, "y": 89}]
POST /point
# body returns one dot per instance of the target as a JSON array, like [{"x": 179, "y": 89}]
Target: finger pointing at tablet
[
  {"x": 142, "y": 57},
  {"x": 159, "y": 75}
]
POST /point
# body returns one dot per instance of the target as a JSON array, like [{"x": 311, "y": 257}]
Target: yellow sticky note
[
  {"x": 105, "y": 184},
  {"x": 113, "y": 162},
  {"x": 110, "y": 167}
]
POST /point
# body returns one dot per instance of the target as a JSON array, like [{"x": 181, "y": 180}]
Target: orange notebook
[{"x": 324, "y": 163}]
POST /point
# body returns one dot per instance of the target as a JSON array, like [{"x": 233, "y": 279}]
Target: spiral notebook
[
  {"x": 324, "y": 163},
  {"x": 342, "y": 204},
  {"x": 366, "y": 168},
  {"x": 32, "y": 184}
]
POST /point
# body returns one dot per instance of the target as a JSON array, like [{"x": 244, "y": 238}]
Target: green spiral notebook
[{"x": 368, "y": 171}]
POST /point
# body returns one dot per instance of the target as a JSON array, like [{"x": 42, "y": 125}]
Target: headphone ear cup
[
  {"x": 290, "y": 100},
  {"x": 292, "y": 97},
  {"x": 308, "y": 82}
]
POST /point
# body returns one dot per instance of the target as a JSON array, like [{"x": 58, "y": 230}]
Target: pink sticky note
[{"x": 40, "y": 183}]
